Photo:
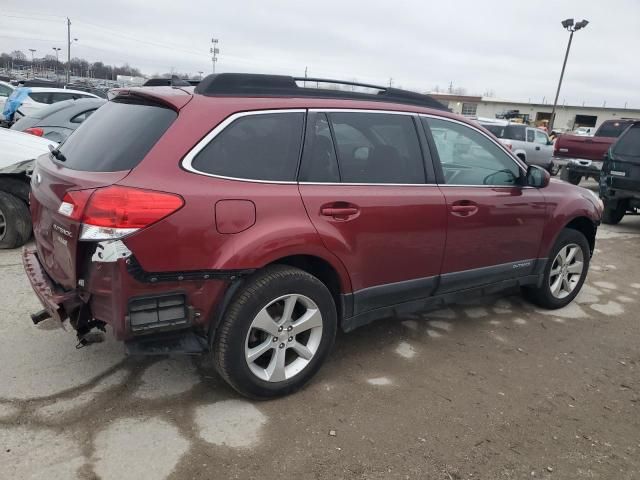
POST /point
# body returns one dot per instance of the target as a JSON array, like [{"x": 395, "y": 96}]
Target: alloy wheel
[
  {"x": 283, "y": 338},
  {"x": 3, "y": 225},
  {"x": 566, "y": 270}
]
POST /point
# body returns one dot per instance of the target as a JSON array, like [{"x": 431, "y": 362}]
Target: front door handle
[
  {"x": 537, "y": 148},
  {"x": 464, "y": 208}
]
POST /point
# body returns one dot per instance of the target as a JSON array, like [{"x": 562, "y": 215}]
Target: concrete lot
[{"x": 489, "y": 389}]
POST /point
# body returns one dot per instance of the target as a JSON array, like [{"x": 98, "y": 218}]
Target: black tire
[
  {"x": 542, "y": 295},
  {"x": 572, "y": 177},
  {"x": 260, "y": 290},
  {"x": 15, "y": 221},
  {"x": 16, "y": 186},
  {"x": 614, "y": 211}
]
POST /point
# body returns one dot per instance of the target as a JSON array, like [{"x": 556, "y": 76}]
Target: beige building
[{"x": 568, "y": 117}]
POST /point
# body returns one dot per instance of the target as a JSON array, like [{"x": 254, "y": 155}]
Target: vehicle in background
[
  {"x": 620, "y": 177},
  {"x": 580, "y": 156},
  {"x": 252, "y": 217},
  {"x": 17, "y": 153},
  {"x": 584, "y": 131},
  {"x": 39, "y": 97},
  {"x": 56, "y": 122},
  {"x": 529, "y": 144}
]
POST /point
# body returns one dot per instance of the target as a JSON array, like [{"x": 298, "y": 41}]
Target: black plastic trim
[
  {"x": 136, "y": 271},
  {"x": 392, "y": 293},
  {"x": 451, "y": 282}
]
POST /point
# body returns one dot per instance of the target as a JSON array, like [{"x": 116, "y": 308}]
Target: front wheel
[
  {"x": 565, "y": 272},
  {"x": 15, "y": 221},
  {"x": 276, "y": 333}
]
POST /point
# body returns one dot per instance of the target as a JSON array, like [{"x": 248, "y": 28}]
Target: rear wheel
[
  {"x": 569, "y": 176},
  {"x": 15, "y": 221},
  {"x": 564, "y": 273},
  {"x": 614, "y": 211},
  {"x": 276, "y": 333}
]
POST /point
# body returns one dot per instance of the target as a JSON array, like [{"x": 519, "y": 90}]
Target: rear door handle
[{"x": 537, "y": 148}]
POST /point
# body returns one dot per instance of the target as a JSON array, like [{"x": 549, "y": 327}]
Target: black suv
[{"x": 620, "y": 179}]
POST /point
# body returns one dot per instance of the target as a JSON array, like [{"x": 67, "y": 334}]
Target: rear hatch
[
  {"x": 623, "y": 165},
  {"x": 101, "y": 152}
]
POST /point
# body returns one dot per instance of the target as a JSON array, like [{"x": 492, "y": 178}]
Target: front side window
[
  {"x": 468, "y": 157},
  {"x": 377, "y": 148},
  {"x": 255, "y": 147},
  {"x": 541, "y": 138}
]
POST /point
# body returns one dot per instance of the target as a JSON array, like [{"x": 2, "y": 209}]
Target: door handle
[
  {"x": 464, "y": 208},
  {"x": 537, "y": 148},
  {"x": 338, "y": 211}
]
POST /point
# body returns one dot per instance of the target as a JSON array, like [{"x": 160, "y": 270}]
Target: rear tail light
[
  {"x": 38, "y": 132},
  {"x": 114, "y": 212}
]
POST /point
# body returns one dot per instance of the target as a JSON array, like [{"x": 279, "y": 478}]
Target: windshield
[
  {"x": 117, "y": 136},
  {"x": 611, "y": 129}
]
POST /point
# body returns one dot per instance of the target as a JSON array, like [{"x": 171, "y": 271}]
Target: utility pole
[
  {"x": 68, "y": 50},
  {"x": 32, "y": 50},
  {"x": 214, "y": 50},
  {"x": 570, "y": 27}
]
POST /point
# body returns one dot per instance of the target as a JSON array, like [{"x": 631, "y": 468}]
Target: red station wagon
[{"x": 252, "y": 217}]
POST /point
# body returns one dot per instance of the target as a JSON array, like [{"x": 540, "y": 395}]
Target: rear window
[
  {"x": 629, "y": 144},
  {"x": 611, "y": 129},
  {"x": 255, "y": 147},
  {"x": 117, "y": 136},
  {"x": 508, "y": 132}
]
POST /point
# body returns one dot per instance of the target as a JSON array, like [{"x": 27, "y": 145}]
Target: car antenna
[{"x": 57, "y": 153}]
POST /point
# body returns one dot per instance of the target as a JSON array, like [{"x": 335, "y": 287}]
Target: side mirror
[{"x": 537, "y": 177}]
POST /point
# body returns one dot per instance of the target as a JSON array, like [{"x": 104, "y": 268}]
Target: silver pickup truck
[{"x": 531, "y": 144}]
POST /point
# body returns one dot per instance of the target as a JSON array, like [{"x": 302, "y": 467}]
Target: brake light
[
  {"x": 114, "y": 212},
  {"x": 38, "y": 132}
]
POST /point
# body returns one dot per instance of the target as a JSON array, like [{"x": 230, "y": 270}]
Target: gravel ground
[{"x": 489, "y": 389}]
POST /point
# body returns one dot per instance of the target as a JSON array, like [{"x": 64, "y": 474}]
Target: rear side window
[
  {"x": 117, "y": 136},
  {"x": 377, "y": 148},
  {"x": 515, "y": 132},
  {"x": 81, "y": 117},
  {"x": 40, "y": 97},
  {"x": 629, "y": 144},
  {"x": 255, "y": 147}
]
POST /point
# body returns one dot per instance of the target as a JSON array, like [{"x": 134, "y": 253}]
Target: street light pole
[
  {"x": 570, "y": 27},
  {"x": 214, "y": 50}
]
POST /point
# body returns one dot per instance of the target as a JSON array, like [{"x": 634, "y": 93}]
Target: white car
[
  {"x": 17, "y": 153},
  {"x": 39, "y": 97}
]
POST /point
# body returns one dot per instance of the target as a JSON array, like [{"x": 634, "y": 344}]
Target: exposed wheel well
[
  {"x": 521, "y": 156},
  {"x": 17, "y": 185},
  {"x": 586, "y": 227},
  {"x": 320, "y": 269}
]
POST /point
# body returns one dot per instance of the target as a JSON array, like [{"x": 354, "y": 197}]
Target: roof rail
[{"x": 259, "y": 85}]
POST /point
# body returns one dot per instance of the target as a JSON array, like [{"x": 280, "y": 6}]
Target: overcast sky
[{"x": 513, "y": 48}]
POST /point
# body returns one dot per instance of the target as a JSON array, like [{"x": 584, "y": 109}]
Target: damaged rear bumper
[{"x": 54, "y": 299}]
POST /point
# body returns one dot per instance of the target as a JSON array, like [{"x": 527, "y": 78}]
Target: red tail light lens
[
  {"x": 131, "y": 208},
  {"x": 38, "y": 132},
  {"x": 74, "y": 202}
]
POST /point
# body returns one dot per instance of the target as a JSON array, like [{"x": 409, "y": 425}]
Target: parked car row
[{"x": 251, "y": 217}]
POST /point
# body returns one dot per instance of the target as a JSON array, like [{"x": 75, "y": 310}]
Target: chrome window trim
[{"x": 187, "y": 161}]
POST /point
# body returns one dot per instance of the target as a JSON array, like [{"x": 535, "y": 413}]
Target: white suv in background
[
  {"x": 530, "y": 144},
  {"x": 39, "y": 98}
]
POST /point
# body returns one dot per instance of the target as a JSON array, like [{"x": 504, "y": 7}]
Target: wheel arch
[
  {"x": 587, "y": 227},
  {"x": 325, "y": 272}
]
